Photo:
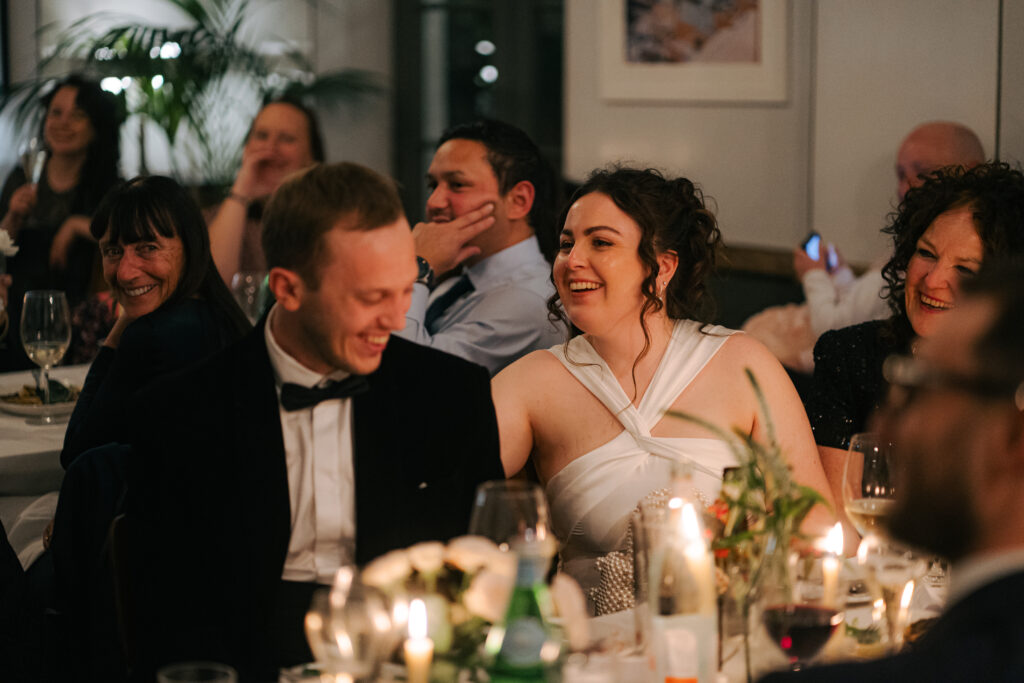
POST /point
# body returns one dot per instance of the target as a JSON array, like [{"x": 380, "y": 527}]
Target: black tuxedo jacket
[
  {"x": 980, "y": 638},
  {"x": 208, "y": 499}
]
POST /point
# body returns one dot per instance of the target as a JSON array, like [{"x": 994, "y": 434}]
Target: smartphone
[
  {"x": 831, "y": 258},
  {"x": 812, "y": 246}
]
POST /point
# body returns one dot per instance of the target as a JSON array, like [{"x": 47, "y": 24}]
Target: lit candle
[
  {"x": 908, "y": 593},
  {"x": 419, "y": 649},
  {"x": 698, "y": 559},
  {"x": 831, "y": 563}
]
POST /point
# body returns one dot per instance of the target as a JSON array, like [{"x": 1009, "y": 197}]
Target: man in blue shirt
[{"x": 491, "y": 195}]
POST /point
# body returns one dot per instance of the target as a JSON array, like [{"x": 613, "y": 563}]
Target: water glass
[{"x": 197, "y": 672}]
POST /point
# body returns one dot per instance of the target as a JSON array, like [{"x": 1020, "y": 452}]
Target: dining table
[{"x": 30, "y": 470}]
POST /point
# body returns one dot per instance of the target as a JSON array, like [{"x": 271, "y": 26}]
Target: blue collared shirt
[{"x": 502, "y": 319}]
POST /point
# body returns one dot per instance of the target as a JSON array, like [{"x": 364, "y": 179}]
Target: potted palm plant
[{"x": 199, "y": 85}]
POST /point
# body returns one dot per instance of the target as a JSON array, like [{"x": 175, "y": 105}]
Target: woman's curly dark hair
[
  {"x": 993, "y": 191},
  {"x": 672, "y": 216}
]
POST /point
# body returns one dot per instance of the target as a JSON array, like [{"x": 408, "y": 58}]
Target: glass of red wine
[{"x": 800, "y": 601}]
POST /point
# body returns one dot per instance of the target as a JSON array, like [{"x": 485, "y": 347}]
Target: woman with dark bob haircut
[
  {"x": 634, "y": 253},
  {"x": 941, "y": 234},
  {"x": 175, "y": 309}
]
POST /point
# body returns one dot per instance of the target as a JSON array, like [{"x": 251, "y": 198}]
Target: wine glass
[
  {"x": 868, "y": 497},
  {"x": 349, "y": 628},
  {"x": 868, "y": 491},
  {"x": 45, "y": 334},
  {"x": 248, "y": 289},
  {"x": 33, "y": 159},
  {"x": 798, "y": 609},
  {"x": 512, "y": 513}
]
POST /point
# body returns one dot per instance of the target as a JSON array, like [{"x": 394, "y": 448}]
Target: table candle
[
  {"x": 698, "y": 559},
  {"x": 831, "y": 563},
  {"x": 419, "y": 649}
]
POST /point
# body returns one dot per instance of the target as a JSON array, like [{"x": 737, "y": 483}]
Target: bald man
[{"x": 932, "y": 146}]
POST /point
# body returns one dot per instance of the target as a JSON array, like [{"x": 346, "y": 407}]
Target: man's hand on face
[{"x": 444, "y": 243}]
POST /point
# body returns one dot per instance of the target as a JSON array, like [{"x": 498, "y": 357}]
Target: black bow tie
[{"x": 297, "y": 397}]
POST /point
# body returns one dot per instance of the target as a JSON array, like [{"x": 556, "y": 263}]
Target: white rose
[
  {"x": 426, "y": 557},
  {"x": 387, "y": 570},
  {"x": 469, "y": 553},
  {"x": 572, "y": 607},
  {"x": 488, "y": 594},
  {"x": 7, "y": 247}
]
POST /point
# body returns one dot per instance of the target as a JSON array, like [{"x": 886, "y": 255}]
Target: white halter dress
[{"x": 592, "y": 497}]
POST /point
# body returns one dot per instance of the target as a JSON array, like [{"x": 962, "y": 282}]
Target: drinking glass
[
  {"x": 349, "y": 628},
  {"x": 510, "y": 513},
  {"x": 868, "y": 491},
  {"x": 798, "y": 612},
  {"x": 248, "y": 290},
  {"x": 33, "y": 159},
  {"x": 197, "y": 672},
  {"x": 45, "y": 334}
]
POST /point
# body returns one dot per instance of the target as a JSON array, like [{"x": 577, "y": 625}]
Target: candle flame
[
  {"x": 834, "y": 540},
  {"x": 908, "y": 592},
  {"x": 689, "y": 524},
  {"x": 417, "y": 619}
]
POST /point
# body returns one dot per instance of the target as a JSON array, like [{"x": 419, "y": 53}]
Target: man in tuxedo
[
  {"x": 318, "y": 440},
  {"x": 956, "y": 417},
  {"x": 490, "y": 214}
]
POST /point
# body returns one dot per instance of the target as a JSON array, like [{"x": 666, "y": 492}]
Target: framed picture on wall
[{"x": 694, "y": 50}]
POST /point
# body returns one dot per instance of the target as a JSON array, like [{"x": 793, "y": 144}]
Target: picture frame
[{"x": 764, "y": 81}]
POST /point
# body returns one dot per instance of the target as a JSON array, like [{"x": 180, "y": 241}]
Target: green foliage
[
  {"x": 762, "y": 501},
  {"x": 214, "y": 47}
]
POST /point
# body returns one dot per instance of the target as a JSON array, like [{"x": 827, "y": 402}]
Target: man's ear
[
  {"x": 288, "y": 287},
  {"x": 519, "y": 200}
]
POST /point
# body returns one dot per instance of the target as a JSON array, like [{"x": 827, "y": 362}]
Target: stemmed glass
[
  {"x": 249, "y": 292},
  {"x": 868, "y": 497},
  {"x": 511, "y": 513},
  {"x": 799, "y": 608},
  {"x": 33, "y": 159},
  {"x": 45, "y": 334},
  {"x": 349, "y": 628}
]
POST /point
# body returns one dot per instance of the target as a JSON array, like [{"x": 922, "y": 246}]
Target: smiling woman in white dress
[{"x": 635, "y": 250}]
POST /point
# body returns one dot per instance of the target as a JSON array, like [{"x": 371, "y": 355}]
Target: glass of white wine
[
  {"x": 868, "y": 493},
  {"x": 45, "y": 334}
]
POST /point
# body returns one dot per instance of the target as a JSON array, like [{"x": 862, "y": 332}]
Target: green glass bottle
[{"x": 522, "y": 645}]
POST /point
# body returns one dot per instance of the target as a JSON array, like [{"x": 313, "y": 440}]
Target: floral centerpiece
[
  {"x": 465, "y": 586},
  {"x": 760, "y": 507}
]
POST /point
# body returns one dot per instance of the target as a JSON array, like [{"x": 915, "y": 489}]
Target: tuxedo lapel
[{"x": 259, "y": 458}]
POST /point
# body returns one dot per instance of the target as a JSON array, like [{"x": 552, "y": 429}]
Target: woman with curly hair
[
  {"x": 635, "y": 249},
  {"x": 941, "y": 233}
]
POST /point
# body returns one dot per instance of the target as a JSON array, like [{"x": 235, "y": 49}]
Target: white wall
[
  {"x": 1011, "y": 134},
  {"x": 862, "y": 74},
  {"x": 752, "y": 159},
  {"x": 882, "y": 68}
]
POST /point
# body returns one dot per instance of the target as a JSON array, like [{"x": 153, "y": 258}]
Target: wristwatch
[{"x": 426, "y": 273}]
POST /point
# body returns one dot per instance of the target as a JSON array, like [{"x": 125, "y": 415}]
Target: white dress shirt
[{"x": 321, "y": 476}]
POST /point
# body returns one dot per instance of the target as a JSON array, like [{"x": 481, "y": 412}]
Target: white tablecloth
[{"x": 30, "y": 454}]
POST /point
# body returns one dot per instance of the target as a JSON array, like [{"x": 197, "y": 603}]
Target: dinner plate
[{"x": 32, "y": 410}]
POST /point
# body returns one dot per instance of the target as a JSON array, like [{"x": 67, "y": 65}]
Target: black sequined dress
[{"x": 848, "y": 384}]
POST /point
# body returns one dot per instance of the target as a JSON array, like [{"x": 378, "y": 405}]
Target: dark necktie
[
  {"x": 297, "y": 397},
  {"x": 441, "y": 303}
]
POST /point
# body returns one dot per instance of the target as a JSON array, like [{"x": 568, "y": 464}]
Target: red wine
[{"x": 800, "y": 630}]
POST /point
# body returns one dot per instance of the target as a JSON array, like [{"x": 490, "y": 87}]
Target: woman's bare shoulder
[{"x": 746, "y": 351}]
